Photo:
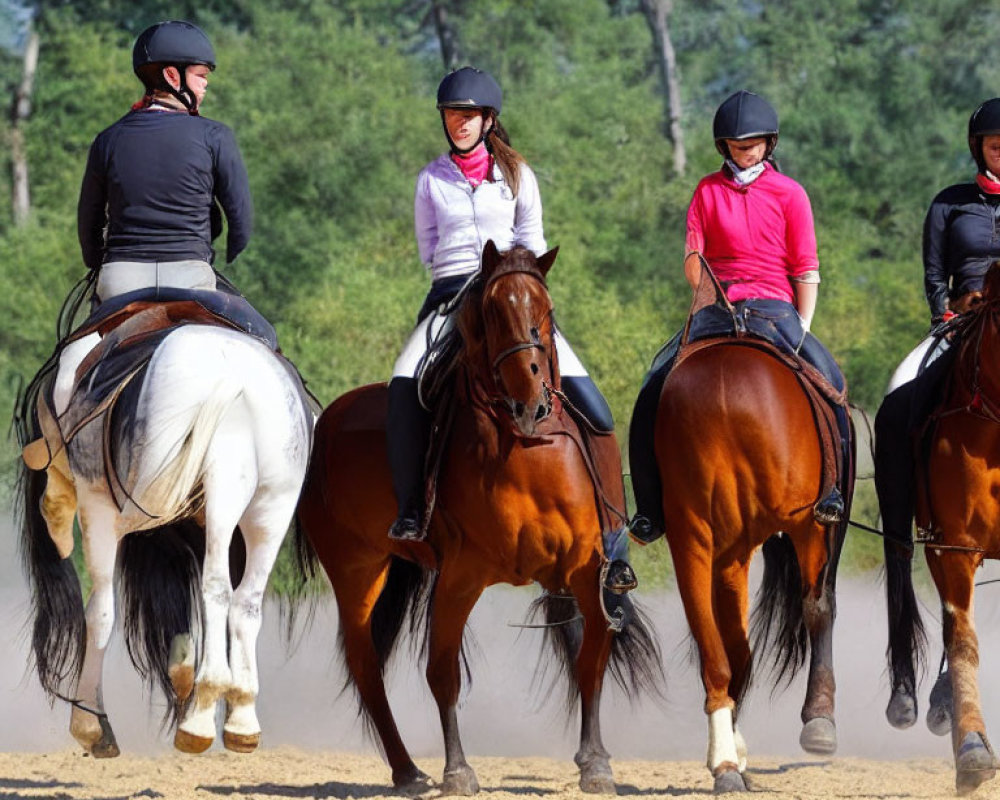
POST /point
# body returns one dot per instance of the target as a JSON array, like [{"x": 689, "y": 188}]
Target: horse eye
[{"x": 534, "y": 335}]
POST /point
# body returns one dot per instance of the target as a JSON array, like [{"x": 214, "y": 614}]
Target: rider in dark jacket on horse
[
  {"x": 754, "y": 228},
  {"x": 960, "y": 243},
  {"x": 149, "y": 203}
]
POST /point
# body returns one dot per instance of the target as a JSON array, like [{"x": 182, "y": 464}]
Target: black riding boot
[
  {"x": 647, "y": 525},
  {"x": 831, "y": 509},
  {"x": 407, "y": 429},
  {"x": 618, "y": 577}
]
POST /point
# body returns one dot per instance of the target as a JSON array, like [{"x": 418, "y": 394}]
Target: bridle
[{"x": 533, "y": 342}]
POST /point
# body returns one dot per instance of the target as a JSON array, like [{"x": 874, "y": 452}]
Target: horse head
[{"x": 517, "y": 334}]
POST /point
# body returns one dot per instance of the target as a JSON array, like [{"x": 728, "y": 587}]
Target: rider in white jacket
[{"x": 481, "y": 190}]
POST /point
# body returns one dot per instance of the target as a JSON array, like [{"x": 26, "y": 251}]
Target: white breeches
[
  {"x": 930, "y": 348},
  {"x": 119, "y": 277}
]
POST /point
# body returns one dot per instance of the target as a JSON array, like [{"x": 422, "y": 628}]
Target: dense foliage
[{"x": 331, "y": 101}]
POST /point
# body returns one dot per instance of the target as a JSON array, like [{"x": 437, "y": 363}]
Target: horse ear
[
  {"x": 491, "y": 257},
  {"x": 546, "y": 260}
]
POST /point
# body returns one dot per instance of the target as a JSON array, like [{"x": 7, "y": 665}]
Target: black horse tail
[
  {"x": 636, "y": 663},
  {"x": 159, "y": 577},
  {"x": 907, "y": 649},
  {"x": 59, "y": 633},
  {"x": 778, "y": 627}
]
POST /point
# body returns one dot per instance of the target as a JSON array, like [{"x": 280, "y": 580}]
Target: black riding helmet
[
  {"x": 745, "y": 115},
  {"x": 171, "y": 44},
  {"x": 985, "y": 121},
  {"x": 469, "y": 87}
]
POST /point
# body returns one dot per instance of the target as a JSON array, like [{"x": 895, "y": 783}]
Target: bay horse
[
  {"x": 958, "y": 521},
  {"x": 741, "y": 461},
  {"x": 517, "y": 502},
  {"x": 201, "y": 450}
]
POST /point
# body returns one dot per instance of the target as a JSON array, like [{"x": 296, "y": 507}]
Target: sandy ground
[
  {"x": 515, "y": 735},
  {"x": 294, "y": 773}
]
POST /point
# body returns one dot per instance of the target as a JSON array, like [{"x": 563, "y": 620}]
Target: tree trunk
[
  {"x": 446, "y": 34},
  {"x": 21, "y": 111},
  {"x": 658, "y": 15}
]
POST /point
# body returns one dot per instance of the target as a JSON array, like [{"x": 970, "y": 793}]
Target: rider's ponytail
[{"x": 506, "y": 157}]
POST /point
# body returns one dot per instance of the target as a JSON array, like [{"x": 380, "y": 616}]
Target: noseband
[{"x": 534, "y": 342}]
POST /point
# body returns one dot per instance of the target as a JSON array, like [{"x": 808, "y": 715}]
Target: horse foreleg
[
  {"x": 88, "y": 721},
  {"x": 953, "y": 573},
  {"x": 357, "y": 588},
  {"x": 819, "y": 610},
  {"x": 731, "y": 600},
  {"x": 591, "y": 757},
  {"x": 450, "y": 610},
  {"x": 692, "y": 557}
]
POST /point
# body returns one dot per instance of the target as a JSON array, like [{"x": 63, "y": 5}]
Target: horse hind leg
[
  {"x": 263, "y": 530},
  {"x": 819, "y": 611},
  {"x": 225, "y": 500},
  {"x": 693, "y": 568},
  {"x": 89, "y": 722},
  {"x": 358, "y": 587}
]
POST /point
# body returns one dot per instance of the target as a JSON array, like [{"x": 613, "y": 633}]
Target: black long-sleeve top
[
  {"x": 150, "y": 189},
  {"x": 961, "y": 240}
]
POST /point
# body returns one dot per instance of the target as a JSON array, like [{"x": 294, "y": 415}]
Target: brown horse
[
  {"x": 741, "y": 460},
  {"x": 957, "y": 515},
  {"x": 516, "y": 502}
]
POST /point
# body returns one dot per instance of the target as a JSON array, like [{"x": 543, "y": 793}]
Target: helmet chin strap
[
  {"x": 458, "y": 151},
  {"x": 182, "y": 92}
]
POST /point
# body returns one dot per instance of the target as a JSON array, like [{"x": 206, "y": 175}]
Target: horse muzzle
[{"x": 528, "y": 415}]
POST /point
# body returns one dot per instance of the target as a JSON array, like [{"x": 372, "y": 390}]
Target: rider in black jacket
[{"x": 961, "y": 241}]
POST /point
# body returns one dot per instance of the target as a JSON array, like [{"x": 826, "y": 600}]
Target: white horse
[{"x": 215, "y": 434}]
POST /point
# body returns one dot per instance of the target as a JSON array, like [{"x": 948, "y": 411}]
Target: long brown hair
[{"x": 506, "y": 157}]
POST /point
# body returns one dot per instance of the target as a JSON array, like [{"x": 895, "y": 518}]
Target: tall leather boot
[
  {"x": 618, "y": 577},
  {"x": 831, "y": 509},
  {"x": 407, "y": 429},
  {"x": 647, "y": 525}
]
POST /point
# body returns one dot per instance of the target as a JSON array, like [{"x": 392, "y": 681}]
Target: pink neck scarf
[
  {"x": 475, "y": 165},
  {"x": 988, "y": 183}
]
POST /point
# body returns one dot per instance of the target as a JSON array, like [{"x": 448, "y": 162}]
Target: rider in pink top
[
  {"x": 754, "y": 228},
  {"x": 758, "y": 238}
]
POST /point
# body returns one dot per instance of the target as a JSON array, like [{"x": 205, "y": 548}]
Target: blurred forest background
[{"x": 611, "y": 101}]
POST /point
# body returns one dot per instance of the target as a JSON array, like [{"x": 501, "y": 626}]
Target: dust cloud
[{"x": 505, "y": 712}]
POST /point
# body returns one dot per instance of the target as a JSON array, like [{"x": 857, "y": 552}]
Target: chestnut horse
[
  {"x": 516, "y": 502},
  {"x": 741, "y": 462},
  {"x": 958, "y": 519}
]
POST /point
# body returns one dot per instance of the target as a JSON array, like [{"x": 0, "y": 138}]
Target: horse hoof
[
  {"x": 902, "y": 709},
  {"x": 939, "y": 720},
  {"x": 189, "y": 743},
  {"x": 105, "y": 748},
  {"x": 819, "y": 737},
  {"x": 460, "y": 782},
  {"x": 729, "y": 781},
  {"x": 974, "y": 763},
  {"x": 240, "y": 742},
  {"x": 598, "y": 781},
  {"x": 412, "y": 783}
]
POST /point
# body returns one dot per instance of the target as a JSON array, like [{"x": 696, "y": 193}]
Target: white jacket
[{"x": 453, "y": 221}]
